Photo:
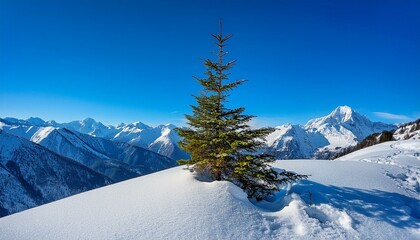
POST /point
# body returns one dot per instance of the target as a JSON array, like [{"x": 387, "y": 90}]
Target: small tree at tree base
[{"x": 219, "y": 139}]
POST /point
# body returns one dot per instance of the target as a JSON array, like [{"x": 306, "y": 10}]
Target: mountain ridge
[
  {"x": 136, "y": 133},
  {"x": 117, "y": 160},
  {"x": 319, "y": 138},
  {"x": 31, "y": 175}
]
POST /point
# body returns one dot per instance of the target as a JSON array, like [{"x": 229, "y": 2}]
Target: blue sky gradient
[{"x": 123, "y": 61}]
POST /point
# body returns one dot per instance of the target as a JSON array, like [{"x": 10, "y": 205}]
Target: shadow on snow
[{"x": 396, "y": 209}]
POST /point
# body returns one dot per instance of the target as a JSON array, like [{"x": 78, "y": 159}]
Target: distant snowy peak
[
  {"x": 88, "y": 126},
  {"x": 344, "y": 121},
  {"x": 340, "y": 116},
  {"x": 320, "y": 137},
  {"x": 343, "y": 112},
  {"x": 138, "y": 125},
  {"x": 32, "y": 121},
  {"x": 36, "y": 121}
]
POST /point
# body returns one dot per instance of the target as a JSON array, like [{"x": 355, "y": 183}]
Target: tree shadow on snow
[{"x": 394, "y": 208}]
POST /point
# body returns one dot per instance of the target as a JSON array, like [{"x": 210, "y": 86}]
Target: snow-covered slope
[
  {"x": 167, "y": 143},
  {"x": 408, "y": 131},
  {"x": 321, "y": 137},
  {"x": 161, "y": 139},
  {"x": 347, "y": 199},
  {"x": 402, "y": 154},
  {"x": 31, "y": 175}
]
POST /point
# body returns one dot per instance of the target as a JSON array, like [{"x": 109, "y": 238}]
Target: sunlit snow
[{"x": 361, "y": 196}]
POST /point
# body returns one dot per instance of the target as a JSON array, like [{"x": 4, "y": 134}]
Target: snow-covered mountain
[
  {"x": 404, "y": 154},
  {"x": 345, "y": 199},
  {"x": 292, "y": 141},
  {"x": 345, "y": 126},
  {"x": 321, "y": 137},
  {"x": 161, "y": 139},
  {"x": 31, "y": 175},
  {"x": 116, "y": 160}
]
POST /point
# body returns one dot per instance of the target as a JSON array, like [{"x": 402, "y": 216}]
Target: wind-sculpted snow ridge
[{"x": 346, "y": 199}]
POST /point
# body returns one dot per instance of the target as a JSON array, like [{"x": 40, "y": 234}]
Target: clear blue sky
[{"x": 122, "y": 61}]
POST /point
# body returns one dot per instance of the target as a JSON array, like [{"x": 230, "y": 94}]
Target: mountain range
[
  {"x": 42, "y": 161},
  {"x": 319, "y": 138},
  {"x": 161, "y": 139}
]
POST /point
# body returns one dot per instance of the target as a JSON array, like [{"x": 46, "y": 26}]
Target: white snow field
[{"x": 369, "y": 194}]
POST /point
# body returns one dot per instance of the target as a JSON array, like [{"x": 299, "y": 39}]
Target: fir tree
[{"x": 220, "y": 140}]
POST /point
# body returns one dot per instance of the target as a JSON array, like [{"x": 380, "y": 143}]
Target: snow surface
[
  {"x": 402, "y": 154},
  {"x": 353, "y": 198}
]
